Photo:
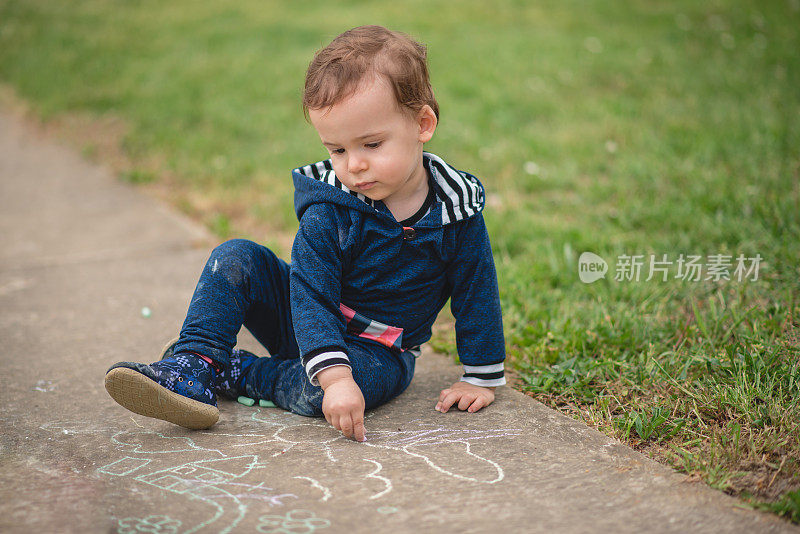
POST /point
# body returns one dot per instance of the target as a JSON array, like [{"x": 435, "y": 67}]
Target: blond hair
[{"x": 337, "y": 70}]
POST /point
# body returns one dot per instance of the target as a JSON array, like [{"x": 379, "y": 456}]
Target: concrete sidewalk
[{"x": 82, "y": 255}]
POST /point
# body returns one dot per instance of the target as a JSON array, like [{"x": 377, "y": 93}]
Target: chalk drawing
[
  {"x": 385, "y": 480},
  {"x": 295, "y": 522},
  {"x": 412, "y": 442},
  {"x": 228, "y": 473},
  {"x": 222, "y": 482},
  {"x": 431, "y": 443},
  {"x": 124, "y": 466},
  {"x": 76, "y": 427},
  {"x": 157, "y": 524},
  {"x": 326, "y": 493},
  {"x": 45, "y": 386}
]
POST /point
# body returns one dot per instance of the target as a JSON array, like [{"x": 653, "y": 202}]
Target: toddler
[{"x": 388, "y": 232}]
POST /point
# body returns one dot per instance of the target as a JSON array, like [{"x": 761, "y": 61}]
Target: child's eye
[
  {"x": 337, "y": 151},
  {"x": 373, "y": 145}
]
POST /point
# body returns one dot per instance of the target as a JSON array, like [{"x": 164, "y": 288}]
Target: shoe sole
[{"x": 139, "y": 394}]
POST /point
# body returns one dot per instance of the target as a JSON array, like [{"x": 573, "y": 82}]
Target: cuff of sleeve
[
  {"x": 320, "y": 359},
  {"x": 487, "y": 376}
]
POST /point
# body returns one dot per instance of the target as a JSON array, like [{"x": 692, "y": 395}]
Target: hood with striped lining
[{"x": 459, "y": 195}]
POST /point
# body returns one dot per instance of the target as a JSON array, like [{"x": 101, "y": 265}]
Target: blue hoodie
[{"x": 356, "y": 271}]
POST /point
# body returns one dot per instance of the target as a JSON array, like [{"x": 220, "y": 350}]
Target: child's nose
[{"x": 356, "y": 164}]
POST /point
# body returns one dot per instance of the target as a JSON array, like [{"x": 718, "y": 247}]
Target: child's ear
[{"x": 427, "y": 123}]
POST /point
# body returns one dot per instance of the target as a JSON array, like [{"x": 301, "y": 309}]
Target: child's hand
[
  {"x": 343, "y": 402},
  {"x": 469, "y": 397}
]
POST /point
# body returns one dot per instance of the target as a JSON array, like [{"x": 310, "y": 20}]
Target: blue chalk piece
[
  {"x": 266, "y": 403},
  {"x": 247, "y": 401}
]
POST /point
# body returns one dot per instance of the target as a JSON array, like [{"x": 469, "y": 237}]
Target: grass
[{"x": 648, "y": 128}]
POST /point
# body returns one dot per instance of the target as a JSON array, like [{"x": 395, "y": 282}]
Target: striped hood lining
[
  {"x": 460, "y": 193},
  {"x": 323, "y": 171}
]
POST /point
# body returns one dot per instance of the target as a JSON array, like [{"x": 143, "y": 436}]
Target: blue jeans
[{"x": 245, "y": 284}]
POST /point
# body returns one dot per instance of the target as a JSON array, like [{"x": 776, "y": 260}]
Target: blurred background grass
[{"x": 635, "y": 128}]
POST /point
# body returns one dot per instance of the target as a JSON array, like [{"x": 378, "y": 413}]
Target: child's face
[{"x": 376, "y": 148}]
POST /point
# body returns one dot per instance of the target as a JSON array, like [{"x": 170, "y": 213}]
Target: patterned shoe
[
  {"x": 176, "y": 389},
  {"x": 228, "y": 381}
]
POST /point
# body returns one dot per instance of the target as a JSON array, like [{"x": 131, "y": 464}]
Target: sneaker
[
  {"x": 228, "y": 381},
  {"x": 177, "y": 389}
]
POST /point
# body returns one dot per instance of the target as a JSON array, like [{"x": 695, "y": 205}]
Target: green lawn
[{"x": 631, "y": 128}]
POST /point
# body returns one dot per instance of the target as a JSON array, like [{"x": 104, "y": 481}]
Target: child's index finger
[{"x": 359, "y": 432}]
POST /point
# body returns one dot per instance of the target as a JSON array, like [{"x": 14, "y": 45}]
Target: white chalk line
[
  {"x": 385, "y": 480},
  {"x": 326, "y": 493}
]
